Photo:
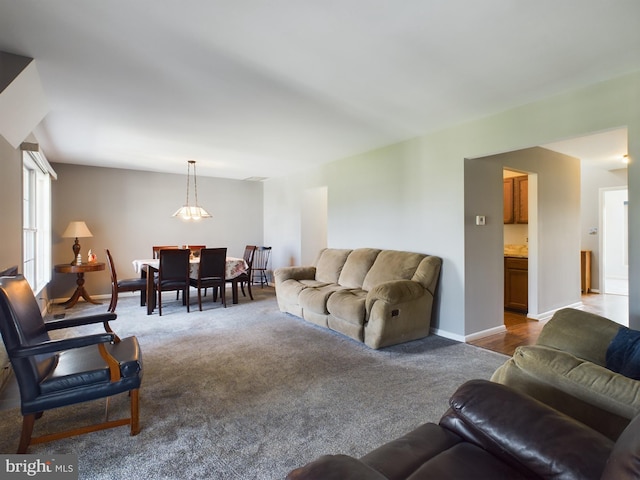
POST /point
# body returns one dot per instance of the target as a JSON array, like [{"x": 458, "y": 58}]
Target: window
[{"x": 36, "y": 219}]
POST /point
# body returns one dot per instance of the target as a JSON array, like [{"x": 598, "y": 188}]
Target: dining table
[{"x": 146, "y": 267}]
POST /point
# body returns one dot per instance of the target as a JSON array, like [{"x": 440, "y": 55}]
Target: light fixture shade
[
  {"x": 187, "y": 212},
  {"x": 77, "y": 230}
]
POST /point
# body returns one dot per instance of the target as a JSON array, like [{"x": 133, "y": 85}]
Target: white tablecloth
[{"x": 235, "y": 266}]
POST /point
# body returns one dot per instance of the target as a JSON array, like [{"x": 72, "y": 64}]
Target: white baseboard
[{"x": 547, "y": 315}]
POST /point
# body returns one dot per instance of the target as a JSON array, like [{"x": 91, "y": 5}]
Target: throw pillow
[{"x": 623, "y": 354}]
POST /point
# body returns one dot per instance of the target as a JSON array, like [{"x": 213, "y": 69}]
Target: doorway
[{"x": 614, "y": 241}]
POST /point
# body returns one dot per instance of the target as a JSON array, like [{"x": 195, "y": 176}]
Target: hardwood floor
[{"x": 524, "y": 331}]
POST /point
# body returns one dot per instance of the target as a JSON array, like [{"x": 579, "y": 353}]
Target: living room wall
[
  {"x": 410, "y": 196},
  {"x": 11, "y": 201},
  {"x": 129, "y": 211},
  {"x": 554, "y": 232}
]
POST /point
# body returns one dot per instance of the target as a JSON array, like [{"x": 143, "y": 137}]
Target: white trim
[
  {"x": 38, "y": 157},
  {"x": 469, "y": 338},
  {"x": 547, "y": 315},
  {"x": 445, "y": 334}
]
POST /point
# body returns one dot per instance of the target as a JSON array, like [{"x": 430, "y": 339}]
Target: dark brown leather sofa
[{"x": 491, "y": 432}]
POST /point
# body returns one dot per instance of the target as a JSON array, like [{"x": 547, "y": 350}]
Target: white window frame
[{"x": 36, "y": 219}]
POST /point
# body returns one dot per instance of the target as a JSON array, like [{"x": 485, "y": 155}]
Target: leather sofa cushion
[
  {"x": 348, "y": 305},
  {"x": 83, "y": 366},
  {"x": 466, "y": 461},
  {"x": 357, "y": 266},
  {"x": 392, "y": 265},
  {"x": 606, "y": 389},
  {"x": 335, "y": 467},
  {"x": 329, "y": 264}
]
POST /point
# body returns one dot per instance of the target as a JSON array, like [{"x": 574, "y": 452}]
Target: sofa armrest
[
  {"x": 526, "y": 433},
  {"x": 294, "y": 273},
  {"x": 335, "y": 467},
  {"x": 582, "y": 334},
  {"x": 394, "y": 292},
  {"x": 541, "y": 371}
]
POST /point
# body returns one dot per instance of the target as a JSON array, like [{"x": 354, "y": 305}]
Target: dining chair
[
  {"x": 173, "y": 274},
  {"x": 249, "y": 252},
  {"x": 156, "y": 255},
  {"x": 9, "y": 272},
  {"x": 259, "y": 265},
  {"x": 124, "y": 285},
  {"x": 156, "y": 249},
  {"x": 211, "y": 273},
  {"x": 195, "y": 249},
  {"x": 54, "y": 373}
]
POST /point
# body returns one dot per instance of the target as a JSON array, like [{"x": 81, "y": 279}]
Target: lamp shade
[
  {"x": 195, "y": 211},
  {"x": 191, "y": 213},
  {"x": 77, "y": 230}
]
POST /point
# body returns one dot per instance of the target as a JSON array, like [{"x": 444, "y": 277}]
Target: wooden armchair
[{"x": 58, "y": 373}]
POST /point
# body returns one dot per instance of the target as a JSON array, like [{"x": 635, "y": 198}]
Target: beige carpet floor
[{"x": 248, "y": 392}]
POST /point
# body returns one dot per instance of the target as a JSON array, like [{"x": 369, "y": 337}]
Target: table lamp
[{"x": 77, "y": 230}]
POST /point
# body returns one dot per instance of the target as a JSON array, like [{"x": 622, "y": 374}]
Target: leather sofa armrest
[
  {"x": 624, "y": 461},
  {"x": 335, "y": 467},
  {"x": 394, "y": 292},
  {"x": 525, "y": 433},
  {"x": 294, "y": 273}
]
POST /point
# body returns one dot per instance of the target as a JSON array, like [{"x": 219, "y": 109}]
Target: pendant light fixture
[{"x": 195, "y": 211}]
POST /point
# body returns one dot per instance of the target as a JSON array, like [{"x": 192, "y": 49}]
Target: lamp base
[{"x": 76, "y": 253}]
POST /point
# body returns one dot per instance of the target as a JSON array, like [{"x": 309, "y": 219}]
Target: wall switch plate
[{"x": 480, "y": 220}]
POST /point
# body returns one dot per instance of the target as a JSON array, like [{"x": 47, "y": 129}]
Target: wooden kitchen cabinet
[
  {"x": 507, "y": 200},
  {"x": 516, "y": 199},
  {"x": 516, "y": 284},
  {"x": 585, "y": 271}
]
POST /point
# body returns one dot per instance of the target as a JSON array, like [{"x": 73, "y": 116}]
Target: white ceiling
[
  {"x": 252, "y": 88},
  {"x": 604, "y": 149}
]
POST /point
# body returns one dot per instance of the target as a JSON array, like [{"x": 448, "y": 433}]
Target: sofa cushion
[
  {"x": 348, "y": 305},
  {"x": 315, "y": 299},
  {"x": 623, "y": 354},
  {"x": 329, "y": 264},
  {"x": 357, "y": 266},
  {"x": 392, "y": 265}
]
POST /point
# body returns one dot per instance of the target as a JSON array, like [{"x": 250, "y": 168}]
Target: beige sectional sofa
[{"x": 379, "y": 297}]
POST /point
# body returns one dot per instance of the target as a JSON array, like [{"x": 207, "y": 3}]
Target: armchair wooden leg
[
  {"x": 27, "y": 429},
  {"x": 135, "y": 412}
]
